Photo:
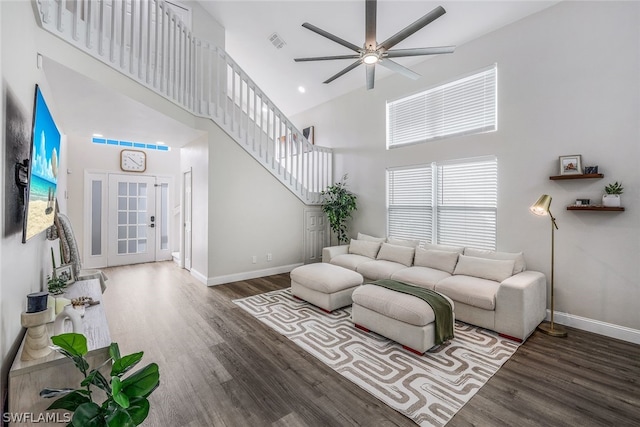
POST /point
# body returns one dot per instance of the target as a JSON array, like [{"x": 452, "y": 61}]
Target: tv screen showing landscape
[{"x": 43, "y": 170}]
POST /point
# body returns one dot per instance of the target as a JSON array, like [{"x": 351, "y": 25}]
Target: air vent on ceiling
[{"x": 276, "y": 40}]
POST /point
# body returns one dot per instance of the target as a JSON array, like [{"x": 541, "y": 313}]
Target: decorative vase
[
  {"x": 611, "y": 200},
  {"x": 68, "y": 313}
]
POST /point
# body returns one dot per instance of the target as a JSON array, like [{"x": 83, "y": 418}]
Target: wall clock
[{"x": 133, "y": 160}]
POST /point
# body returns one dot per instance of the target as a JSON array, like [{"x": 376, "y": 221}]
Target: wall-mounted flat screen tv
[{"x": 43, "y": 170}]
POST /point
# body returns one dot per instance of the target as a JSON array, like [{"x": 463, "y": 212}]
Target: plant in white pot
[{"x": 612, "y": 196}]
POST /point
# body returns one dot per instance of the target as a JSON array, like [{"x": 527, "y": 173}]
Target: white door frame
[{"x": 186, "y": 220}]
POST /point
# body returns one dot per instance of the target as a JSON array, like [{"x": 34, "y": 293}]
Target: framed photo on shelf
[
  {"x": 65, "y": 272},
  {"x": 571, "y": 165}
]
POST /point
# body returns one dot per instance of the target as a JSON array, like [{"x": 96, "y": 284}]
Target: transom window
[
  {"x": 465, "y": 106},
  {"x": 451, "y": 203}
]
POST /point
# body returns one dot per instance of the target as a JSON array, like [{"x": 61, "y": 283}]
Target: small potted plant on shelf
[
  {"x": 56, "y": 285},
  {"x": 612, "y": 196}
]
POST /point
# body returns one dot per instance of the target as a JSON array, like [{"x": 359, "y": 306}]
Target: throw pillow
[
  {"x": 440, "y": 260},
  {"x": 404, "y": 242},
  {"x": 364, "y": 248},
  {"x": 458, "y": 249},
  {"x": 518, "y": 267},
  {"x": 362, "y": 236},
  {"x": 400, "y": 254},
  {"x": 484, "y": 268}
]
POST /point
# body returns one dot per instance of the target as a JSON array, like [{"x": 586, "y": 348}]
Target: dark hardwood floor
[{"x": 221, "y": 367}]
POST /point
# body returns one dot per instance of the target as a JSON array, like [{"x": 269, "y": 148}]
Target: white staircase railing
[{"x": 147, "y": 41}]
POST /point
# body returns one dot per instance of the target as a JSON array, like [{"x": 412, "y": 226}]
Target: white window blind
[
  {"x": 410, "y": 195},
  {"x": 453, "y": 203},
  {"x": 467, "y": 204},
  {"x": 464, "y": 106}
]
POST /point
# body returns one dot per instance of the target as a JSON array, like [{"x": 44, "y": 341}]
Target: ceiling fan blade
[
  {"x": 371, "y": 74},
  {"x": 345, "y": 71},
  {"x": 371, "y": 7},
  {"x": 406, "y": 32},
  {"x": 394, "y": 66},
  {"x": 330, "y": 36},
  {"x": 418, "y": 51},
  {"x": 326, "y": 58}
]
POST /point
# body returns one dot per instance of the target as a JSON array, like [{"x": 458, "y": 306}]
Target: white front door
[{"x": 132, "y": 219}]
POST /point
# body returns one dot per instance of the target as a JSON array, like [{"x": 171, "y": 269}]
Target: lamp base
[{"x": 552, "y": 329}]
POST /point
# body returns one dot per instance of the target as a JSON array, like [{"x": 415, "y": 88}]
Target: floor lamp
[{"x": 541, "y": 207}]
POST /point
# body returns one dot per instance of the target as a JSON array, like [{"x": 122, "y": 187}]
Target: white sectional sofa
[{"x": 493, "y": 290}]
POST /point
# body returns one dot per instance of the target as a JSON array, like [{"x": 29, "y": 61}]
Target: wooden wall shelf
[
  {"x": 581, "y": 176},
  {"x": 595, "y": 208}
]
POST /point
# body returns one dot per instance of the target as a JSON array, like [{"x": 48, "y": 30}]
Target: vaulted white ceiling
[
  {"x": 86, "y": 106},
  {"x": 249, "y": 24}
]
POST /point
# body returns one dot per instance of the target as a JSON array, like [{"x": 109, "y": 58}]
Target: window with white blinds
[
  {"x": 464, "y": 106},
  {"x": 452, "y": 203}
]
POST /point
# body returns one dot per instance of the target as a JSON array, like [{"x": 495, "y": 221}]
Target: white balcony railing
[{"x": 147, "y": 41}]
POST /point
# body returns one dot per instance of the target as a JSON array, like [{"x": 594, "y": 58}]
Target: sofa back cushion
[
  {"x": 364, "y": 248},
  {"x": 404, "y": 242},
  {"x": 518, "y": 257},
  {"x": 440, "y": 260},
  {"x": 362, "y": 236},
  {"x": 400, "y": 254},
  {"x": 458, "y": 249},
  {"x": 484, "y": 268}
]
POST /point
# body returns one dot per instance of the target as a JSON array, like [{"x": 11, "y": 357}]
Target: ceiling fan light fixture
[{"x": 370, "y": 58}]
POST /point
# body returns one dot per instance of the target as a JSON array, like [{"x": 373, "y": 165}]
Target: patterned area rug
[{"x": 429, "y": 389}]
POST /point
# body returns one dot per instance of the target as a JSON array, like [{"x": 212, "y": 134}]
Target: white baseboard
[
  {"x": 201, "y": 277},
  {"x": 220, "y": 280},
  {"x": 596, "y": 326}
]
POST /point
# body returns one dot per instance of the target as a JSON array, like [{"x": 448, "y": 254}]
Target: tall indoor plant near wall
[{"x": 338, "y": 203}]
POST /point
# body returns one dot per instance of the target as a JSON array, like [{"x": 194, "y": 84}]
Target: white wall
[
  {"x": 24, "y": 267},
  {"x": 250, "y": 213},
  {"x": 568, "y": 84},
  {"x": 195, "y": 157},
  {"x": 205, "y": 27}
]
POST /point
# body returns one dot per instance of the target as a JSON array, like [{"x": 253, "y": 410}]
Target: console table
[{"x": 28, "y": 378}]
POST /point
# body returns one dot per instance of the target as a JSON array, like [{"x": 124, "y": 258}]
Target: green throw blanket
[{"x": 441, "y": 307}]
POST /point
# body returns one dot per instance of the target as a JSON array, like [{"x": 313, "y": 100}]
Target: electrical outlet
[
  {"x": 269, "y": 257},
  {"x": 254, "y": 259}
]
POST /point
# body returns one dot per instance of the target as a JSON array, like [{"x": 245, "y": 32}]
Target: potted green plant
[
  {"x": 126, "y": 403},
  {"x": 611, "y": 198},
  {"x": 338, "y": 203},
  {"x": 55, "y": 285}
]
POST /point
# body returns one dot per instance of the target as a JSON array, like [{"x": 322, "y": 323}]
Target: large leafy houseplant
[
  {"x": 126, "y": 404},
  {"x": 338, "y": 203}
]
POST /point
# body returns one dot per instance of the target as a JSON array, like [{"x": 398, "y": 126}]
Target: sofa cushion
[
  {"x": 441, "y": 260},
  {"x": 469, "y": 290},
  {"x": 484, "y": 268},
  {"x": 458, "y": 249},
  {"x": 362, "y": 236},
  {"x": 364, "y": 248},
  {"x": 518, "y": 267},
  {"x": 404, "y": 242},
  {"x": 350, "y": 261},
  {"x": 399, "y": 254},
  {"x": 379, "y": 269},
  {"x": 423, "y": 277}
]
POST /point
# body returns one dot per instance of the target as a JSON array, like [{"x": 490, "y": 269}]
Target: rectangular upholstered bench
[
  {"x": 404, "y": 318},
  {"x": 324, "y": 285}
]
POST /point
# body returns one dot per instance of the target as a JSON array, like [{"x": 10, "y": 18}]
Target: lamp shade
[{"x": 541, "y": 207}]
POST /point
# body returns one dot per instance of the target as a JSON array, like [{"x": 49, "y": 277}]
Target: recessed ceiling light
[
  {"x": 97, "y": 135},
  {"x": 160, "y": 143},
  {"x": 301, "y": 89}
]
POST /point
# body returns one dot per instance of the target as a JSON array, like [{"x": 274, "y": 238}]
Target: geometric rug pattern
[{"x": 428, "y": 389}]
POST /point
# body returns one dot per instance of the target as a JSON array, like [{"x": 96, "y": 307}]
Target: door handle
[{"x": 152, "y": 225}]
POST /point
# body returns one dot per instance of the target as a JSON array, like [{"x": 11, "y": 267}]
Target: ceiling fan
[{"x": 373, "y": 53}]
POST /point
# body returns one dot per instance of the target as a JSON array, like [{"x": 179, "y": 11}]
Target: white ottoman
[
  {"x": 406, "y": 319},
  {"x": 325, "y": 285}
]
